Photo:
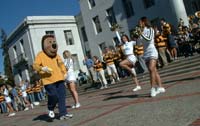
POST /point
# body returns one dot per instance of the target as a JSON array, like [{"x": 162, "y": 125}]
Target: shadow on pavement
[
  {"x": 43, "y": 117},
  {"x": 113, "y": 93},
  {"x": 128, "y": 96},
  {"x": 184, "y": 79}
]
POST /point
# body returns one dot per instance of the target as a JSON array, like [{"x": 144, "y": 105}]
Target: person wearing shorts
[
  {"x": 70, "y": 79},
  {"x": 129, "y": 62},
  {"x": 8, "y": 100},
  {"x": 150, "y": 56},
  {"x": 23, "y": 87}
]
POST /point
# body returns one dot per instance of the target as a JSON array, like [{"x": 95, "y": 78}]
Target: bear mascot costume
[{"x": 52, "y": 71}]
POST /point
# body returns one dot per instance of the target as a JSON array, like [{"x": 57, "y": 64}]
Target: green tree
[{"x": 7, "y": 64}]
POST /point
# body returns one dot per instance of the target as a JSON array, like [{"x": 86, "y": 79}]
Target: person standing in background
[
  {"x": 98, "y": 66},
  {"x": 89, "y": 64},
  {"x": 108, "y": 58}
]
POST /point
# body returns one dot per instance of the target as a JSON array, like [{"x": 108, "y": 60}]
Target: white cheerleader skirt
[
  {"x": 150, "y": 54},
  {"x": 8, "y": 99},
  {"x": 132, "y": 59},
  {"x": 24, "y": 94},
  {"x": 70, "y": 77}
]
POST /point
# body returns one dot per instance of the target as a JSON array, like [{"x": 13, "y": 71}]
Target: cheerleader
[
  {"x": 98, "y": 66},
  {"x": 70, "y": 79},
  {"x": 129, "y": 62},
  {"x": 8, "y": 100},
  {"x": 150, "y": 55},
  {"x": 23, "y": 87}
]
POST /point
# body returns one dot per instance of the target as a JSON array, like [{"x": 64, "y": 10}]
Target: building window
[
  {"x": 97, "y": 24},
  {"x": 15, "y": 51},
  {"x": 49, "y": 32},
  {"x": 88, "y": 53},
  {"x": 69, "y": 37},
  {"x": 20, "y": 74},
  {"x": 111, "y": 16},
  {"x": 149, "y": 3},
  {"x": 195, "y": 6},
  {"x": 102, "y": 46},
  {"x": 91, "y": 3},
  {"x": 84, "y": 34},
  {"x": 128, "y": 8},
  {"x": 22, "y": 46},
  {"x": 116, "y": 41},
  {"x": 76, "y": 62}
]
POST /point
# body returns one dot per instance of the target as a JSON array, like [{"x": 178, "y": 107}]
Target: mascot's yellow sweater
[{"x": 56, "y": 64}]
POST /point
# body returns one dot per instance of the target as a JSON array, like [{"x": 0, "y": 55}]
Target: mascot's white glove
[{"x": 46, "y": 69}]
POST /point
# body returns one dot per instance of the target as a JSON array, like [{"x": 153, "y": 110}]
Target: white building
[
  {"x": 25, "y": 42},
  {"x": 99, "y": 15}
]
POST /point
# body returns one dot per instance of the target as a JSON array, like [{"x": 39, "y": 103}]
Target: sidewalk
[{"x": 119, "y": 106}]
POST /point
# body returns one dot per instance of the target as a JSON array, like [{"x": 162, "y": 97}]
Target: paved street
[{"x": 119, "y": 106}]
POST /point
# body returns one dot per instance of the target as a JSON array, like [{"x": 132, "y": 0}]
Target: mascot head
[{"x": 49, "y": 45}]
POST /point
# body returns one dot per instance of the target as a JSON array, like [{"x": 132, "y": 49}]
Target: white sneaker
[
  {"x": 161, "y": 90},
  {"x": 32, "y": 106},
  {"x": 36, "y": 103},
  {"x": 102, "y": 87},
  {"x": 137, "y": 88},
  {"x": 118, "y": 79},
  {"x": 153, "y": 92},
  {"x": 26, "y": 109},
  {"x": 133, "y": 72},
  {"x": 11, "y": 114},
  {"x": 78, "y": 105},
  {"x": 113, "y": 81},
  {"x": 106, "y": 86},
  {"x": 67, "y": 116},
  {"x": 51, "y": 114}
]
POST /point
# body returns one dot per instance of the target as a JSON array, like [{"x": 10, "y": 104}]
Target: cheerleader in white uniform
[
  {"x": 150, "y": 56},
  {"x": 23, "y": 87},
  {"x": 129, "y": 62},
  {"x": 8, "y": 101},
  {"x": 70, "y": 79}
]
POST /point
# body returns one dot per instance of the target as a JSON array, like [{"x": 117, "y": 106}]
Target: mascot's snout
[{"x": 54, "y": 45}]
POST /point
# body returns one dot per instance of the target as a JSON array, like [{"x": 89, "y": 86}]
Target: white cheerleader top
[
  {"x": 69, "y": 64},
  {"x": 23, "y": 88},
  {"x": 147, "y": 39},
  {"x": 6, "y": 93},
  {"x": 128, "y": 47}
]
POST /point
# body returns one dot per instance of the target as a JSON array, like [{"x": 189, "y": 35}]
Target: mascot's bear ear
[{"x": 49, "y": 45}]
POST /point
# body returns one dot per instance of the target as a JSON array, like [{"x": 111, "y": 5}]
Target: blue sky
[{"x": 12, "y": 12}]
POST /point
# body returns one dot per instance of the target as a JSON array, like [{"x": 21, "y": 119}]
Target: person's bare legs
[
  {"x": 155, "y": 78},
  {"x": 11, "y": 110},
  {"x": 126, "y": 65},
  {"x": 72, "y": 88},
  {"x": 151, "y": 64}
]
